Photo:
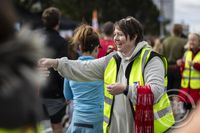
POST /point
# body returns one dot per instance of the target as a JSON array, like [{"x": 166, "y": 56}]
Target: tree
[{"x": 110, "y": 10}]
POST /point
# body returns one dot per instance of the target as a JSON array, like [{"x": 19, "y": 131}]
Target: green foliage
[
  {"x": 112, "y": 10},
  {"x": 108, "y": 10}
]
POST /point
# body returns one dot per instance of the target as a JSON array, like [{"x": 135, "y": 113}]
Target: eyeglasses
[{"x": 128, "y": 19}]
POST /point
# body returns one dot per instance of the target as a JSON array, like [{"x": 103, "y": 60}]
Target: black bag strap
[
  {"x": 154, "y": 54},
  {"x": 118, "y": 62}
]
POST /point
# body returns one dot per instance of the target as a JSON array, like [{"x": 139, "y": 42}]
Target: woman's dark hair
[
  {"x": 132, "y": 27},
  {"x": 51, "y": 17},
  {"x": 86, "y": 37}
]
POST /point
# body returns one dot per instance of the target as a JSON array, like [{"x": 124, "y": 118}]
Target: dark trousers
[{"x": 174, "y": 79}]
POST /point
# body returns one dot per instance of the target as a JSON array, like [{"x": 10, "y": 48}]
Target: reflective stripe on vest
[
  {"x": 163, "y": 117},
  {"x": 191, "y": 77},
  {"x": 111, "y": 69}
]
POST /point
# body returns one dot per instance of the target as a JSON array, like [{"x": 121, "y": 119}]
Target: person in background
[
  {"x": 189, "y": 93},
  {"x": 158, "y": 44},
  {"x": 123, "y": 71},
  {"x": 173, "y": 49},
  {"x": 87, "y": 96},
  {"x": 52, "y": 94},
  {"x": 19, "y": 51},
  {"x": 107, "y": 44}
]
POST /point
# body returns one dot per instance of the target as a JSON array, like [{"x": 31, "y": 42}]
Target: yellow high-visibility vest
[
  {"x": 163, "y": 116},
  {"x": 21, "y": 130},
  {"x": 191, "y": 77}
]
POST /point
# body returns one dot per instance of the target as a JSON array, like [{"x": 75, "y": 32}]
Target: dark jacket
[{"x": 54, "y": 86}]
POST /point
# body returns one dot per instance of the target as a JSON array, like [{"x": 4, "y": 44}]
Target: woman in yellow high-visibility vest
[
  {"x": 133, "y": 64},
  {"x": 190, "y": 66}
]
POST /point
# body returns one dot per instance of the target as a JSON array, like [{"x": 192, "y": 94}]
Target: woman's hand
[
  {"x": 116, "y": 88},
  {"x": 190, "y": 63},
  {"x": 48, "y": 63},
  {"x": 43, "y": 72},
  {"x": 179, "y": 62}
]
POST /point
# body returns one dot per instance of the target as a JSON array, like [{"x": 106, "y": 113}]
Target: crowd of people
[
  {"x": 100, "y": 79},
  {"x": 118, "y": 69}
]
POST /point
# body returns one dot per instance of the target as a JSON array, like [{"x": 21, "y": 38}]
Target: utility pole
[{"x": 161, "y": 18}]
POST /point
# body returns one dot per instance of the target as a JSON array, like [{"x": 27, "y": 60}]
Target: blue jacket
[{"x": 87, "y": 98}]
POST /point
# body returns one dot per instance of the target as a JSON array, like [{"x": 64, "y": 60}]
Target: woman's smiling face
[
  {"x": 194, "y": 41},
  {"x": 123, "y": 43}
]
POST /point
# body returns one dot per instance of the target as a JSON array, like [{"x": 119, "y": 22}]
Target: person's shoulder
[
  {"x": 63, "y": 41},
  {"x": 102, "y": 42},
  {"x": 58, "y": 38},
  {"x": 61, "y": 38},
  {"x": 110, "y": 55},
  {"x": 184, "y": 40},
  {"x": 180, "y": 41},
  {"x": 167, "y": 39}
]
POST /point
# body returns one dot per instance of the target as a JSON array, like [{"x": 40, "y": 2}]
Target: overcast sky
[{"x": 188, "y": 11}]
